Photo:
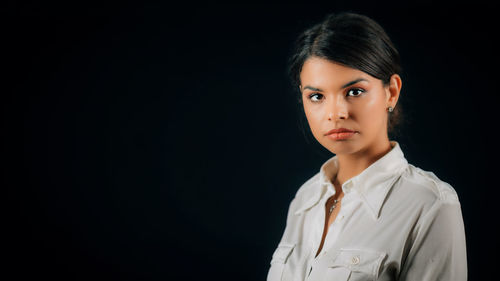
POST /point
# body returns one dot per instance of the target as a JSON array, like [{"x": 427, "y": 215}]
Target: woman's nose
[{"x": 338, "y": 109}]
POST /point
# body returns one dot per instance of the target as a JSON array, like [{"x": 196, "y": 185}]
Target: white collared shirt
[{"x": 396, "y": 222}]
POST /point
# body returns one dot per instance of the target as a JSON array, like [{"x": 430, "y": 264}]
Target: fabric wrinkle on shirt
[{"x": 394, "y": 219}]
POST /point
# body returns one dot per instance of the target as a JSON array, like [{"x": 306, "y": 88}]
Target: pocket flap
[
  {"x": 282, "y": 253},
  {"x": 366, "y": 261}
]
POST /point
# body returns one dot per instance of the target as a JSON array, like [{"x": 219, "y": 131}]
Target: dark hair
[{"x": 352, "y": 40}]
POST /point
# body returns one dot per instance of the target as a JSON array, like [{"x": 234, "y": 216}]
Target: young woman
[{"x": 367, "y": 214}]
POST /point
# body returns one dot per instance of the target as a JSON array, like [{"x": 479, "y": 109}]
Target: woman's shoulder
[
  {"x": 428, "y": 185},
  {"x": 307, "y": 194},
  {"x": 309, "y": 186}
]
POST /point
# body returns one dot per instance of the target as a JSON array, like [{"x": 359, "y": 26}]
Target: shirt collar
[{"x": 372, "y": 185}]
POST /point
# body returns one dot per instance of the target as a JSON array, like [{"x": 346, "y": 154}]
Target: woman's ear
[{"x": 393, "y": 90}]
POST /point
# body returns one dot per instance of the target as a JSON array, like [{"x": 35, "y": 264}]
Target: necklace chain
[
  {"x": 334, "y": 201},
  {"x": 334, "y": 205}
]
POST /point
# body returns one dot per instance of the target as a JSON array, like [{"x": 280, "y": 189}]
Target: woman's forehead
[{"x": 321, "y": 72}]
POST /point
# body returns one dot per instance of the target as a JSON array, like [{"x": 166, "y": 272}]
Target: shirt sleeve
[{"x": 438, "y": 251}]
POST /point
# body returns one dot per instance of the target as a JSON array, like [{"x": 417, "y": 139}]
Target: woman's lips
[{"x": 341, "y": 135}]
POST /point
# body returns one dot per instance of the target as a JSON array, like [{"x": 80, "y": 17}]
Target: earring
[{"x": 391, "y": 109}]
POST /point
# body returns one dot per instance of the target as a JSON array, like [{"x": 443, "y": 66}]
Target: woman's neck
[{"x": 351, "y": 165}]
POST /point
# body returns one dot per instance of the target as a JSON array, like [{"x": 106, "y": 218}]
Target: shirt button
[{"x": 355, "y": 260}]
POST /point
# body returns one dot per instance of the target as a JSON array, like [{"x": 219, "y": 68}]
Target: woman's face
[{"x": 336, "y": 96}]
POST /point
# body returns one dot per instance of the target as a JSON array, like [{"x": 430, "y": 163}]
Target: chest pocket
[
  {"x": 278, "y": 261},
  {"x": 356, "y": 264}
]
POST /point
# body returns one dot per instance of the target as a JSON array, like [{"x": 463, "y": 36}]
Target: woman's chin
[{"x": 343, "y": 147}]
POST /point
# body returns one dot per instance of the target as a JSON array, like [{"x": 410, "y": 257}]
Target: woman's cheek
[{"x": 311, "y": 119}]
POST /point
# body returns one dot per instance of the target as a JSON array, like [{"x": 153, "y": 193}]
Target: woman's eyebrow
[
  {"x": 344, "y": 86},
  {"x": 353, "y": 82},
  {"x": 313, "y": 89}
]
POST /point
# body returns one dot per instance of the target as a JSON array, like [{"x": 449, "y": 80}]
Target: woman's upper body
[{"x": 396, "y": 222}]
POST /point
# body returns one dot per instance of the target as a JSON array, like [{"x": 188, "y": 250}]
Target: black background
[{"x": 159, "y": 141}]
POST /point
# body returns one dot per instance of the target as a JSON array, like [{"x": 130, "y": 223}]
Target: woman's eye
[
  {"x": 355, "y": 92},
  {"x": 315, "y": 97}
]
